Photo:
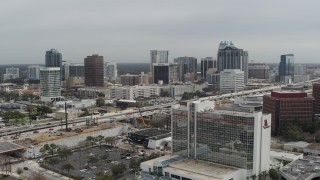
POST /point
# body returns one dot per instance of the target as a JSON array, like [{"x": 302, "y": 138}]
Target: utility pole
[{"x": 66, "y": 114}]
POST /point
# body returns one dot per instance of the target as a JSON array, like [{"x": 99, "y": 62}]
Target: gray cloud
[{"x": 126, "y": 30}]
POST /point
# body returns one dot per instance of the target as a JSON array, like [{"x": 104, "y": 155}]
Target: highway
[{"x": 125, "y": 114}]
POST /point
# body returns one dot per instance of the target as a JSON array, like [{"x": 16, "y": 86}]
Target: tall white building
[
  {"x": 50, "y": 84},
  {"x": 33, "y": 72},
  {"x": 11, "y": 73},
  {"x": 231, "y": 80},
  {"x": 158, "y": 57},
  {"x": 110, "y": 70}
]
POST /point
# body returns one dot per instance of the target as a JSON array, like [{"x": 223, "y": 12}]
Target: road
[{"x": 33, "y": 167}]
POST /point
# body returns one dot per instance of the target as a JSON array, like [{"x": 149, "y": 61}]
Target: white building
[
  {"x": 179, "y": 90},
  {"x": 33, "y": 72},
  {"x": 132, "y": 92},
  {"x": 11, "y": 73},
  {"x": 300, "y": 69},
  {"x": 110, "y": 71},
  {"x": 50, "y": 84},
  {"x": 231, "y": 80}
]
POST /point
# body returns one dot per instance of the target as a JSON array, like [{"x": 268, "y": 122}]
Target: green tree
[
  {"x": 118, "y": 169},
  {"x": 67, "y": 167},
  {"x": 49, "y": 149},
  {"x": 100, "y": 139},
  {"x": 100, "y": 102},
  {"x": 134, "y": 164},
  {"x": 110, "y": 140},
  {"x": 292, "y": 133},
  {"x": 53, "y": 161},
  {"x": 105, "y": 177},
  {"x": 19, "y": 171},
  {"x": 154, "y": 155},
  {"x": 273, "y": 174},
  {"x": 104, "y": 157},
  {"x": 85, "y": 112},
  {"x": 91, "y": 139},
  {"x": 64, "y": 152}
]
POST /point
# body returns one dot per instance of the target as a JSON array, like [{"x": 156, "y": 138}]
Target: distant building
[
  {"x": 230, "y": 57},
  {"x": 157, "y": 56},
  {"x": 286, "y": 107},
  {"x": 179, "y": 90},
  {"x": 286, "y": 68},
  {"x": 50, "y": 84},
  {"x": 258, "y": 71},
  {"x": 11, "y": 73},
  {"x": 231, "y": 80},
  {"x": 161, "y": 73},
  {"x": 213, "y": 78},
  {"x": 93, "y": 71},
  {"x": 54, "y": 59},
  {"x": 33, "y": 72},
  {"x": 73, "y": 70},
  {"x": 316, "y": 95},
  {"x": 300, "y": 69},
  {"x": 110, "y": 71},
  {"x": 206, "y": 63},
  {"x": 130, "y": 80},
  {"x": 176, "y": 72},
  {"x": 189, "y": 66}
]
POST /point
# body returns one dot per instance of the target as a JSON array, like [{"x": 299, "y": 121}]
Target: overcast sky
[{"x": 126, "y": 30}]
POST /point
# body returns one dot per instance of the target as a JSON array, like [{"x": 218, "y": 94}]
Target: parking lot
[{"x": 104, "y": 159}]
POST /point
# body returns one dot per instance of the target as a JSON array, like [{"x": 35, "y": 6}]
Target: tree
[
  {"x": 19, "y": 171},
  {"x": 53, "y": 161},
  {"x": 43, "y": 110},
  {"x": 118, "y": 169},
  {"x": 100, "y": 139},
  {"x": 293, "y": 133},
  {"x": 85, "y": 112},
  {"x": 273, "y": 174},
  {"x": 67, "y": 167},
  {"x": 92, "y": 159},
  {"x": 64, "y": 152},
  {"x": 110, "y": 140},
  {"x": 254, "y": 177},
  {"x": 134, "y": 164},
  {"x": 91, "y": 139},
  {"x": 154, "y": 155},
  {"x": 100, "y": 102},
  {"x": 49, "y": 149}
]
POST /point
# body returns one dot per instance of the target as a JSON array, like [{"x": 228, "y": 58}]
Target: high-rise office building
[
  {"x": 176, "y": 72},
  {"x": 206, "y": 63},
  {"x": 130, "y": 80},
  {"x": 286, "y": 68},
  {"x": 316, "y": 95},
  {"x": 54, "y": 59},
  {"x": 33, "y": 72},
  {"x": 286, "y": 107},
  {"x": 93, "y": 71},
  {"x": 300, "y": 69},
  {"x": 258, "y": 71},
  {"x": 157, "y": 56},
  {"x": 50, "y": 84},
  {"x": 161, "y": 73},
  {"x": 230, "y": 57},
  {"x": 234, "y": 139},
  {"x": 72, "y": 70},
  {"x": 110, "y": 71},
  {"x": 190, "y": 66},
  {"x": 231, "y": 80}
]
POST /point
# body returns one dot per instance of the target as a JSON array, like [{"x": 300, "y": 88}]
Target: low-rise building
[
  {"x": 298, "y": 146},
  {"x": 313, "y": 149}
]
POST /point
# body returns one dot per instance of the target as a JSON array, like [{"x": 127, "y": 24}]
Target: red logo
[{"x": 266, "y": 125}]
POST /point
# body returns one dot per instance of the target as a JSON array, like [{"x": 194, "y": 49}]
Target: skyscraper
[
  {"x": 161, "y": 73},
  {"x": 157, "y": 56},
  {"x": 33, "y": 72},
  {"x": 93, "y": 70},
  {"x": 236, "y": 139},
  {"x": 110, "y": 70},
  {"x": 316, "y": 95},
  {"x": 206, "y": 63},
  {"x": 53, "y": 58},
  {"x": 231, "y": 80},
  {"x": 50, "y": 84},
  {"x": 286, "y": 68},
  {"x": 258, "y": 71},
  {"x": 190, "y": 65},
  {"x": 230, "y": 57}
]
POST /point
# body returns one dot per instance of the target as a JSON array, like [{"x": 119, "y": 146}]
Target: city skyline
[{"x": 185, "y": 28}]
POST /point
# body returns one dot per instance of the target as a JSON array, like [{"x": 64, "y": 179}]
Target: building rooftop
[
  {"x": 301, "y": 169},
  {"x": 6, "y": 146},
  {"x": 200, "y": 169},
  {"x": 163, "y": 160}
]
